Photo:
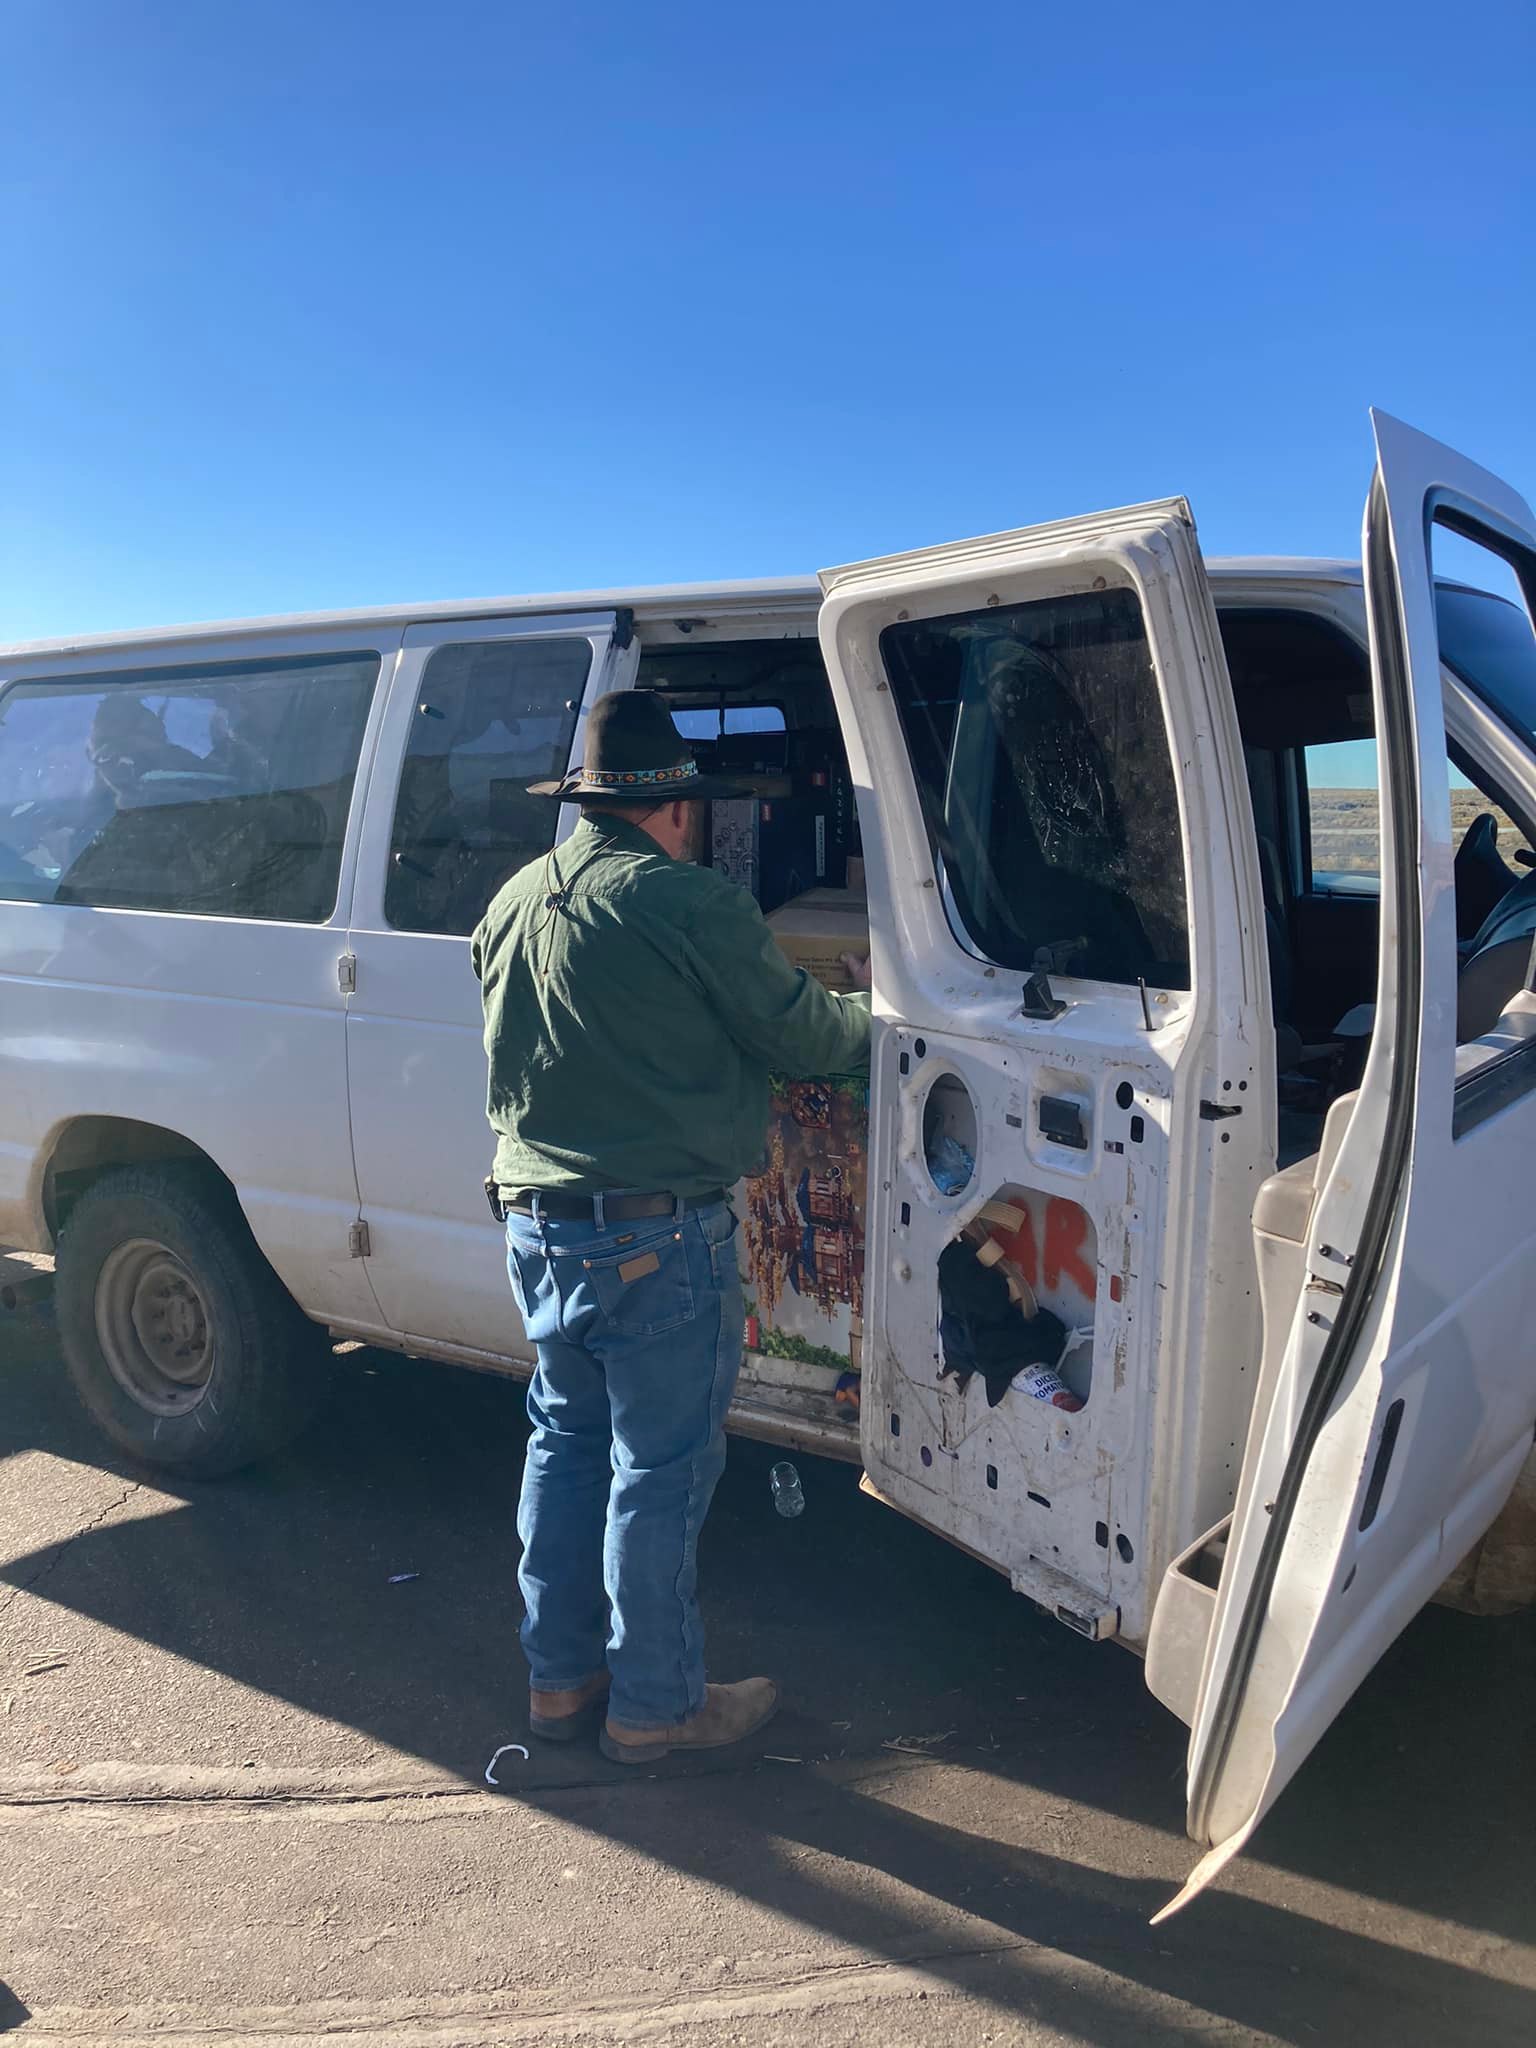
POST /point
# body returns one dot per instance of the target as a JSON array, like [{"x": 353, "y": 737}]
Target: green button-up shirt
[{"x": 634, "y": 1006}]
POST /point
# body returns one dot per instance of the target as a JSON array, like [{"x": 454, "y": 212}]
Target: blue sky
[{"x": 325, "y": 304}]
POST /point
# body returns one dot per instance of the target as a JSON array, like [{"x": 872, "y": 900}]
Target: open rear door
[
  {"x": 1072, "y": 1053},
  {"x": 1407, "y": 1394}
]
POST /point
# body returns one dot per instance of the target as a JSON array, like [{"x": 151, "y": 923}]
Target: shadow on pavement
[{"x": 1420, "y": 1798}]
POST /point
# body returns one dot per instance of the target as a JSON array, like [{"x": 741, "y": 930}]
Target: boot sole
[
  {"x": 650, "y": 1752},
  {"x": 568, "y": 1727}
]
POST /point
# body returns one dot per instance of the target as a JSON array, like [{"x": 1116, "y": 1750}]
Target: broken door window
[{"x": 1038, "y": 744}]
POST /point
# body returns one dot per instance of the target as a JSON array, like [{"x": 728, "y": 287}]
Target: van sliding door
[{"x": 478, "y": 709}]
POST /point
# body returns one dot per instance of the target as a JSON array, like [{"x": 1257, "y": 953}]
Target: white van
[{"x": 1225, "y": 1061}]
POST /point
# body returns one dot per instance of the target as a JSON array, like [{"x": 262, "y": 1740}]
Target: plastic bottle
[{"x": 788, "y": 1494}]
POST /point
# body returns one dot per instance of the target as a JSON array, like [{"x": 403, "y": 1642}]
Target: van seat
[
  {"x": 1284, "y": 1204},
  {"x": 1285, "y": 1200}
]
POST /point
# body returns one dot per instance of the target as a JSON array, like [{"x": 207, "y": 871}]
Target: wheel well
[{"x": 93, "y": 1145}]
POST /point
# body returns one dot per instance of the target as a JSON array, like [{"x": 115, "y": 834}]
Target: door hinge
[
  {"x": 359, "y": 1243},
  {"x": 346, "y": 974},
  {"x": 1213, "y": 1112}
]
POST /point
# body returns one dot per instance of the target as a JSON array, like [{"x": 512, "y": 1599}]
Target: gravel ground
[{"x": 242, "y": 1790}]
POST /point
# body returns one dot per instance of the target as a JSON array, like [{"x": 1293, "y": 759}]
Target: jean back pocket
[{"x": 646, "y": 1288}]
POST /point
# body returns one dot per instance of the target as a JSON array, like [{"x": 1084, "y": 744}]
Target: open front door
[
  {"x": 1072, "y": 1059},
  {"x": 1406, "y": 1396}
]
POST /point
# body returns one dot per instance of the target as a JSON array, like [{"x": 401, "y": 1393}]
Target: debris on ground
[{"x": 918, "y": 1745}]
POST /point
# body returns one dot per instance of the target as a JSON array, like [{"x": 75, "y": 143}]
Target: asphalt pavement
[{"x": 242, "y": 1781}]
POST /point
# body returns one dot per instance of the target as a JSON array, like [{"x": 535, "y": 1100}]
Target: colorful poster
[{"x": 802, "y": 1217}]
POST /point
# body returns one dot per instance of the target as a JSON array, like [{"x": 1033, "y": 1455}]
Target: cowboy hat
[{"x": 634, "y": 754}]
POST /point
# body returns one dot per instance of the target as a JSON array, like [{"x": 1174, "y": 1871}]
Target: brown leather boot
[
  {"x": 730, "y": 1713},
  {"x": 562, "y": 1716}
]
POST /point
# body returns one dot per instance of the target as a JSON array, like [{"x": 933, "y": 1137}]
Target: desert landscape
[{"x": 1346, "y": 829}]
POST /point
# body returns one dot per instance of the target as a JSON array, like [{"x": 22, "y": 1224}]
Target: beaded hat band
[{"x": 616, "y": 778}]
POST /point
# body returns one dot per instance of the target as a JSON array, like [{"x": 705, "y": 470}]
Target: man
[
  {"x": 634, "y": 1005},
  {"x": 128, "y": 746},
  {"x": 129, "y": 834}
]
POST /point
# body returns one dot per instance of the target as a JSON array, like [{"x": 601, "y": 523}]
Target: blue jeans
[{"x": 639, "y": 1333}]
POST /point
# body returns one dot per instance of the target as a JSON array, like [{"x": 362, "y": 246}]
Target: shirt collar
[{"x": 614, "y": 831}]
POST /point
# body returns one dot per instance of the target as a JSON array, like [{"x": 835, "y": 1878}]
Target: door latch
[
  {"x": 1061, "y": 1120},
  {"x": 1213, "y": 1112},
  {"x": 1040, "y": 999}
]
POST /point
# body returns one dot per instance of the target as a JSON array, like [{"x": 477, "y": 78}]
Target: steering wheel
[{"x": 20, "y": 880}]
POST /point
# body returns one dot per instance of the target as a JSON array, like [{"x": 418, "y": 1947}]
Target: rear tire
[{"x": 180, "y": 1340}]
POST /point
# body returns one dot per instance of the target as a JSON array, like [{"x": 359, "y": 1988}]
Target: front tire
[{"x": 180, "y": 1340}]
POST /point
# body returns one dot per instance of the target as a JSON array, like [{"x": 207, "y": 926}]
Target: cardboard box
[{"x": 815, "y": 929}]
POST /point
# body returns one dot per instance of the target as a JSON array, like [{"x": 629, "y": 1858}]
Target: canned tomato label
[{"x": 1041, "y": 1384}]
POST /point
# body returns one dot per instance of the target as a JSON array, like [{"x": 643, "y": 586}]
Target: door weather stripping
[{"x": 1370, "y": 1257}]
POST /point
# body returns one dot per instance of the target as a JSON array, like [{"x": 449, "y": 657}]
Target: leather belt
[{"x": 583, "y": 1208}]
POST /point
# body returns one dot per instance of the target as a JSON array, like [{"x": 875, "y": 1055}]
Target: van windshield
[{"x": 1488, "y": 643}]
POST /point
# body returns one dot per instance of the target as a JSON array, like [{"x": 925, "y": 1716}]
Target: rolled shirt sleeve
[{"x": 776, "y": 1012}]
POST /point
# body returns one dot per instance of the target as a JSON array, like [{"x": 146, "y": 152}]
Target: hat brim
[{"x": 575, "y": 789}]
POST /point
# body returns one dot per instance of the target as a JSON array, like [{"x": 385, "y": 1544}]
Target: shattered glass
[{"x": 1038, "y": 743}]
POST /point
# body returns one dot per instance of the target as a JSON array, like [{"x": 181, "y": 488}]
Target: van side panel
[
  {"x": 228, "y": 1033},
  {"x": 179, "y": 843}
]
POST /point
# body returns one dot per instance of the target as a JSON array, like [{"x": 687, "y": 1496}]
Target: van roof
[{"x": 789, "y": 595}]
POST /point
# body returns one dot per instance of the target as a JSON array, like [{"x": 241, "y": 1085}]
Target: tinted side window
[
  {"x": 221, "y": 790},
  {"x": 1487, "y": 641},
  {"x": 493, "y": 716},
  {"x": 1037, "y": 739},
  {"x": 1343, "y": 813}
]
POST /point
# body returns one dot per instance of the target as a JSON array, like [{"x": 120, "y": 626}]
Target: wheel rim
[{"x": 154, "y": 1328}]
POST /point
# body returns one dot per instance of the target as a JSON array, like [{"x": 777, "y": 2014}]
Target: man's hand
[{"x": 858, "y": 968}]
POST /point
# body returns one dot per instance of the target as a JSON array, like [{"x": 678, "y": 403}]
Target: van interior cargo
[{"x": 761, "y": 710}]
